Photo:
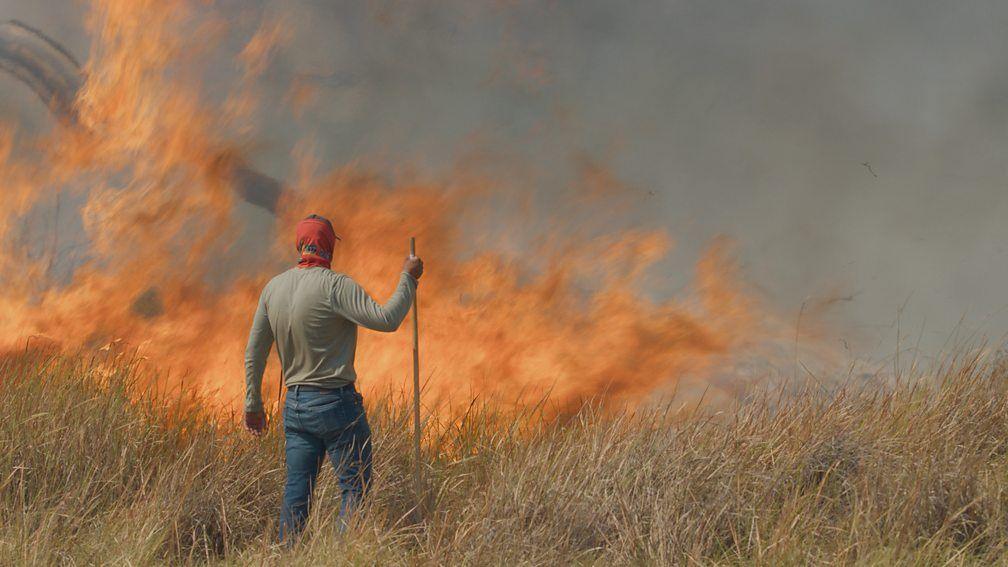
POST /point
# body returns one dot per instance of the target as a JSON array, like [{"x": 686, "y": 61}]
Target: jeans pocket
[
  {"x": 286, "y": 413},
  {"x": 334, "y": 417}
]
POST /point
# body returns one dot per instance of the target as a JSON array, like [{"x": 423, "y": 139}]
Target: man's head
[{"x": 315, "y": 241}]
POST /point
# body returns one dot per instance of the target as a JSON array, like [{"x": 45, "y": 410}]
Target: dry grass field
[{"x": 94, "y": 470}]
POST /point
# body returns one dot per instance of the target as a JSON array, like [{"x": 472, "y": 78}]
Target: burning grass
[
  {"x": 124, "y": 224},
  {"x": 95, "y": 470}
]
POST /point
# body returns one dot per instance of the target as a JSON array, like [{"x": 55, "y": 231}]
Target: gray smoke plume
[{"x": 855, "y": 150}]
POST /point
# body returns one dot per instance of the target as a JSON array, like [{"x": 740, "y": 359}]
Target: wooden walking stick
[{"x": 416, "y": 396}]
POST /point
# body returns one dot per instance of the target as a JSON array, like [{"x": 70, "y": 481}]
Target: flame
[{"x": 159, "y": 269}]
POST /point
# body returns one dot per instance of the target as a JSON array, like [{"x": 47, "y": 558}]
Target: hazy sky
[{"x": 745, "y": 118}]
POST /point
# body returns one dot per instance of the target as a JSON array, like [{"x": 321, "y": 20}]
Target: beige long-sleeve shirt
[{"x": 312, "y": 314}]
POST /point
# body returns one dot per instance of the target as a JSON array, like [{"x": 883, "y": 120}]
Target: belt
[{"x": 306, "y": 388}]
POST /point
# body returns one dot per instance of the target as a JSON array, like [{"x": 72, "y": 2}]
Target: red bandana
[{"x": 315, "y": 242}]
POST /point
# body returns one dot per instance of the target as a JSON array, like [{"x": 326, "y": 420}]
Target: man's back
[{"x": 312, "y": 314}]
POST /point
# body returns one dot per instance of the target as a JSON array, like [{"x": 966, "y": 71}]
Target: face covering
[{"x": 315, "y": 242}]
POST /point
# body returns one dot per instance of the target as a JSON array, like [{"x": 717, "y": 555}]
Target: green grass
[{"x": 94, "y": 469}]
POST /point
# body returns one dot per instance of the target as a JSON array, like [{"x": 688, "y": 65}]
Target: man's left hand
[{"x": 255, "y": 422}]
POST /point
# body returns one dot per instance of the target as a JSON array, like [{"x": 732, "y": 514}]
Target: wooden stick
[{"x": 416, "y": 397}]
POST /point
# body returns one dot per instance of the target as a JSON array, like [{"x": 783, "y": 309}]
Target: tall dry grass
[{"x": 96, "y": 470}]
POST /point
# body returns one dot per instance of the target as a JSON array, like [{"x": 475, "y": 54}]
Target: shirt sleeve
[
  {"x": 259, "y": 343},
  {"x": 352, "y": 302}
]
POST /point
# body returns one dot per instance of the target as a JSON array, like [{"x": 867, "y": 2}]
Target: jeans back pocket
[{"x": 334, "y": 417}]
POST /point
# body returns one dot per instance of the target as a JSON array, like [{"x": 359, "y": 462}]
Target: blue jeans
[{"x": 317, "y": 422}]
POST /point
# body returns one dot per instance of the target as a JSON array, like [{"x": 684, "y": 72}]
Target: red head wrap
[{"x": 315, "y": 242}]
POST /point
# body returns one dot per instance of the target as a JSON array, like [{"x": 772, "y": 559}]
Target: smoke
[
  {"x": 750, "y": 119},
  {"x": 854, "y": 150}
]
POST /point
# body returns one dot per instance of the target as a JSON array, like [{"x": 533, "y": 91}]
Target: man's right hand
[{"x": 413, "y": 267}]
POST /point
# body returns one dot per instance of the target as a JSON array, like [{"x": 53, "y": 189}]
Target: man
[{"x": 312, "y": 313}]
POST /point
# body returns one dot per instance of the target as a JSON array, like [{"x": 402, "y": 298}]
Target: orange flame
[{"x": 159, "y": 272}]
